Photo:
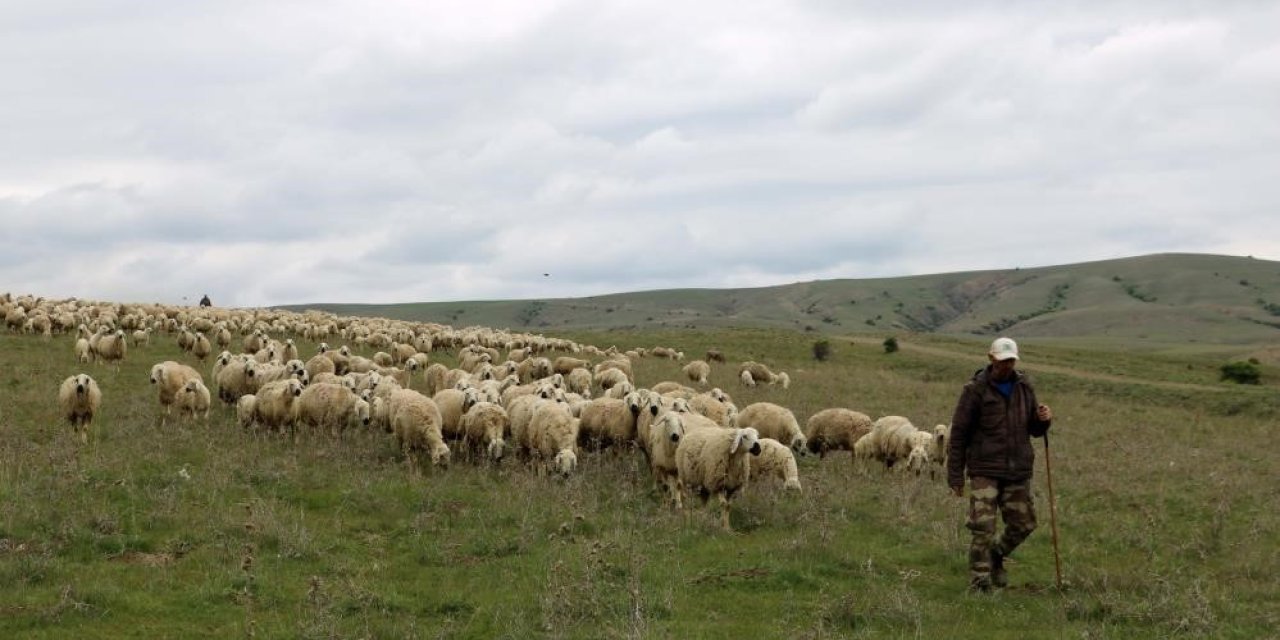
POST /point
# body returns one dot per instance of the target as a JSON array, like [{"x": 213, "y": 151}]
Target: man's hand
[
  {"x": 958, "y": 491},
  {"x": 1044, "y": 413}
]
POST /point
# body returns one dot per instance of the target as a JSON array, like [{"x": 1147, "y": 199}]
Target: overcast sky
[{"x": 397, "y": 151}]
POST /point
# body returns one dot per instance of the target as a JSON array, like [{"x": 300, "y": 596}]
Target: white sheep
[
  {"x": 697, "y": 371},
  {"x": 774, "y": 421},
  {"x": 194, "y": 399},
  {"x": 453, "y": 404},
  {"x": 553, "y": 436},
  {"x": 415, "y": 420},
  {"x": 662, "y": 441},
  {"x": 892, "y": 438},
  {"x": 608, "y": 377},
  {"x": 723, "y": 413},
  {"x": 83, "y": 353},
  {"x": 608, "y": 422},
  {"x": 486, "y": 426},
  {"x": 276, "y": 404},
  {"x": 776, "y": 461},
  {"x": 80, "y": 398},
  {"x": 246, "y": 408},
  {"x": 170, "y": 378},
  {"x": 110, "y": 347},
  {"x": 235, "y": 379},
  {"x": 714, "y": 461},
  {"x": 755, "y": 373},
  {"x": 836, "y": 429},
  {"x": 929, "y": 447},
  {"x": 332, "y": 406}
]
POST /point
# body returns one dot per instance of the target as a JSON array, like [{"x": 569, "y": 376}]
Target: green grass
[{"x": 1166, "y": 491}]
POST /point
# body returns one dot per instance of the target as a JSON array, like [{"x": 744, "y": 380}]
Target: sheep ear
[{"x": 737, "y": 440}]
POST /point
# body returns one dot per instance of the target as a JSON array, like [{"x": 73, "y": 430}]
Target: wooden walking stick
[{"x": 1053, "y": 513}]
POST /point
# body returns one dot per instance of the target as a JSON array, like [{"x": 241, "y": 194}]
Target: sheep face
[
  {"x": 362, "y": 412},
  {"x": 749, "y": 438},
  {"x": 671, "y": 427},
  {"x": 566, "y": 461},
  {"x": 440, "y": 455},
  {"x": 155, "y": 373},
  {"x": 82, "y": 384},
  {"x": 799, "y": 445},
  {"x": 294, "y": 387},
  {"x": 918, "y": 459},
  {"x": 496, "y": 449}
]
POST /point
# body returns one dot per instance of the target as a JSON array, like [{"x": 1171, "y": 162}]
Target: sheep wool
[
  {"x": 778, "y": 462},
  {"x": 774, "y": 421},
  {"x": 714, "y": 462},
  {"x": 80, "y": 398},
  {"x": 836, "y": 429}
]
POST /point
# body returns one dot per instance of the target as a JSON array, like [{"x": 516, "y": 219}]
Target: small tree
[
  {"x": 1241, "y": 372},
  {"x": 821, "y": 350},
  {"x": 890, "y": 344}
]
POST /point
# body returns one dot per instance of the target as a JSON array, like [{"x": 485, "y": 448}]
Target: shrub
[
  {"x": 1241, "y": 372},
  {"x": 822, "y": 350},
  {"x": 890, "y": 344}
]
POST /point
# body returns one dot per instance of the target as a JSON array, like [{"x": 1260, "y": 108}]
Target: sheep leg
[{"x": 724, "y": 511}]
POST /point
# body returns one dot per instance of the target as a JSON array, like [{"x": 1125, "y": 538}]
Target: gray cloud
[{"x": 271, "y": 153}]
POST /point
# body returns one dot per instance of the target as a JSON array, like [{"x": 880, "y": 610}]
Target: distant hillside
[{"x": 1164, "y": 297}]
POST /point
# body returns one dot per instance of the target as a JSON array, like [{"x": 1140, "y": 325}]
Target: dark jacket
[{"x": 990, "y": 434}]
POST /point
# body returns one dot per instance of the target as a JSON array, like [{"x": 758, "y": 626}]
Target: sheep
[
  {"x": 697, "y": 371},
  {"x": 83, "y": 352},
  {"x": 415, "y": 420},
  {"x": 714, "y": 461},
  {"x": 319, "y": 364},
  {"x": 777, "y": 461},
  {"x": 758, "y": 373},
  {"x": 673, "y": 389},
  {"x": 332, "y": 406},
  {"x": 486, "y": 425},
  {"x": 723, "y": 413},
  {"x": 80, "y": 398},
  {"x": 619, "y": 363},
  {"x": 662, "y": 441},
  {"x": 619, "y": 390},
  {"x": 836, "y": 429},
  {"x": 553, "y": 435},
  {"x": 565, "y": 364},
  {"x": 609, "y": 378},
  {"x": 246, "y": 408},
  {"x": 578, "y": 381},
  {"x": 714, "y": 355},
  {"x": 929, "y": 447},
  {"x": 194, "y": 399},
  {"x": 453, "y": 404},
  {"x": 201, "y": 347},
  {"x": 170, "y": 378},
  {"x": 782, "y": 379},
  {"x": 774, "y": 421},
  {"x": 433, "y": 378},
  {"x": 110, "y": 347},
  {"x": 892, "y": 438},
  {"x": 609, "y": 421},
  {"x": 141, "y": 337},
  {"x": 276, "y": 404},
  {"x": 235, "y": 379}
]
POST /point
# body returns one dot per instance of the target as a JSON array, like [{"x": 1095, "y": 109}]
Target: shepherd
[
  {"x": 995, "y": 418},
  {"x": 204, "y": 301}
]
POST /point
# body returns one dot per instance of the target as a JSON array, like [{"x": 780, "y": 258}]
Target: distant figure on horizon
[{"x": 204, "y": 301}]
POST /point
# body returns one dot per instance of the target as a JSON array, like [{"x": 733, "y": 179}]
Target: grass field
[{"x": 1168, "y": 499}]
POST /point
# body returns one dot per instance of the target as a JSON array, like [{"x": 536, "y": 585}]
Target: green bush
[
  {"x": 822, "y": 350},
  {"x": 1241, "y": 372},
  {"x": 890, "y": 344}
]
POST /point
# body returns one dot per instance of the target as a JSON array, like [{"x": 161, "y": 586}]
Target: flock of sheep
[{"x": 508, "y": 394}]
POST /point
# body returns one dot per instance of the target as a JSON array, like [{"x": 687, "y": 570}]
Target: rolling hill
[{"x": 1162, "y": 298}]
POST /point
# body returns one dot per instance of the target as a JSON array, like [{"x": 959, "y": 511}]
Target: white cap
[{"x": 1004, "y": 348}]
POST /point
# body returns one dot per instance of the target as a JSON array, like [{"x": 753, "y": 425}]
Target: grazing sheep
[
  {"x": 564, "y": 364},
  {"x": 608, "y": 422},
  {"x": 553, "y": 436},
  {"x": 774, "y": 421},
  {"x": 433, "y": 378},
  {"x": 618, "y": 363},
  {"x": 697, "y": 371},
  {"x": 759, "y": 373},
  {"x": 619, "y": 390},
  {"x": 332, "y": 406},
  {"x": 782, "y": 379},
  {"x": 746, "y": 379},
  {"x": 776, "y": 461},
  {"x": 673, "y": 389},
  {"x": 319, "y": 364},
  {"x": 714, "y": 355},
  {"x": 170, "y": 378},
  {"x": 836, "y": 429},
  {"x": 578, "y": 381},
  {"x": 892, "y": 438},
  {"x": 276, "y": 405},
  {"x": 194, "y": 399},
  {"x": 929, "y": 447},
  {"x": 486, "y": 427},
  {"x": 415, "y": 420},
  {"x": 80, "y": 398},
  {"x": 714, "y": 461}
]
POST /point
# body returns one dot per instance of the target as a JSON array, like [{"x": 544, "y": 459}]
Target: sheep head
[{"x": 750, "y": 438}]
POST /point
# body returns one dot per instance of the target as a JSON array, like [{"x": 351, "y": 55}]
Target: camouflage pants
[{"x": 1013, "y": 501}]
